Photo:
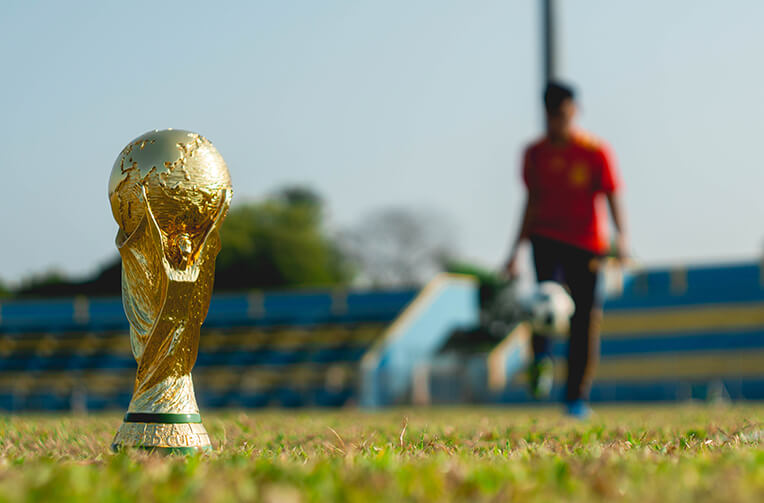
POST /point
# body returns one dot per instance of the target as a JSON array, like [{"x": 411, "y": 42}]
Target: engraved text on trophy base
[{"x": 161, "y": 435}]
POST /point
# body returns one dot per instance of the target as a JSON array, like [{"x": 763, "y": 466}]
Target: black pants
[{"x": 578, "y": 270}]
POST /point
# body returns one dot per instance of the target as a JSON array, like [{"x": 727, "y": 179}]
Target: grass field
[{"x": 687, "y": 453}]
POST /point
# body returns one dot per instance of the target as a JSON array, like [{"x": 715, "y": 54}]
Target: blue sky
[{"x": 375, "y": 104}]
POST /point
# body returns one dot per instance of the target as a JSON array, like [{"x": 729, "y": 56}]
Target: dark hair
[{"x": 555, "y": 93}]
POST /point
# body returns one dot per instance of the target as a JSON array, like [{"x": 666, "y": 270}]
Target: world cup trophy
[{"x": 169, "y": 191}]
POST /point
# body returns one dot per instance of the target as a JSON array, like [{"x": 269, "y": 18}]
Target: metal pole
[{"x": 548, "y": 34}]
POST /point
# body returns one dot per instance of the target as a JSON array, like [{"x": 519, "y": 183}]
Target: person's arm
[
  {"x": 619, "y": 219},
  {"x": 610, "y": 184},
  {"x": 522, "y": 235},
  {"x": 525, "y": 224}
]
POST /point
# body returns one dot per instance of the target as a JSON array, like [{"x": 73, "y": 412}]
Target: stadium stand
[
  {"x": 288, "y": 349},
  {"x": 672, "y": 334},
  {"x": 685, "y": 333}
]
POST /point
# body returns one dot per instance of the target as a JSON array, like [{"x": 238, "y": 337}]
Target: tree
[
  {"x": 279, "y": 242},
  {"x": 399, "y": 246},
  {"x": 55, "y": 284}
]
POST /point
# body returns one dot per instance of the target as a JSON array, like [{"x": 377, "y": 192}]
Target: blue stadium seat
[
  {"x": 107, "y": 314},
  {"x": 288, "y": 397},
  {"x": 7, "y": 402},
  {"x": 16, "y": 362},
  {"x": 327, "y": 398},
  {"x": 251, "y": 400},
  {"x": 97, "y": 401},
  {"x": 47, "y": 401},
  {"x": 227, "y": 311},
  {"x": 377, "y": 306},
  {"x": 34, "y": 316},
  {"x": 297, "y": 308},
  {"x": 219, "y": 358}
]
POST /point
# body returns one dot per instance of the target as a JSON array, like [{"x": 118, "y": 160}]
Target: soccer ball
[{"x": 550, "y": 308}]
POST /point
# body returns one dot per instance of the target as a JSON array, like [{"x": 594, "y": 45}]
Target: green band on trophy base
[{"x": 145, "y": 417}]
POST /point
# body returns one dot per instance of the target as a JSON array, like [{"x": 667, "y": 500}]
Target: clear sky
[{"x": 394, "y": 102}]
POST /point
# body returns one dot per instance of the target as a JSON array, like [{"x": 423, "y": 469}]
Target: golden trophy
[{"x": 169, "y": 191}]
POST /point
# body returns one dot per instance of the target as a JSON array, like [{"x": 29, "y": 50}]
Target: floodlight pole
[{"x": 548, "y": 39}]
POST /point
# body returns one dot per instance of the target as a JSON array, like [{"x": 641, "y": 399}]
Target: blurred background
[{"x": 372, "y": 147}]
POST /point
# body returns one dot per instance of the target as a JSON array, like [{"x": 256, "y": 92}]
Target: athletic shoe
[
  {"x": 578, "y": 409},
  {"x": 541, "y": 378}
]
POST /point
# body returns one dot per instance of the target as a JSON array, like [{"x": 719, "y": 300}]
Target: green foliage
[
  {"x": 491, "y": 282},
  {"x": 52, "y": 282},
  {"x": 651, "y": 454},
  {"x": 56, "y": 284},
  {"x": 484, "y": 276},
  {"x": 280, "y": 242}
]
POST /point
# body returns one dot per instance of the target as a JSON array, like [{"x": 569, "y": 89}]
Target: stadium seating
[
  {"x": 673, "y": 334},
  {"x": 678, "y": 334},
  {"x": 288, "y": 349}
]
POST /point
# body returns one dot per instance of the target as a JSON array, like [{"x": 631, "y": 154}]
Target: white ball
[{"x": 551, "y": 308}]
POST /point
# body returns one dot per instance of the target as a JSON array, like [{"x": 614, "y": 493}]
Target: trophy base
[{"x": 163, "y": 433}]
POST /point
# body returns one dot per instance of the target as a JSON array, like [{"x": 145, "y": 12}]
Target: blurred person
[{"x": 569, "y": 176}]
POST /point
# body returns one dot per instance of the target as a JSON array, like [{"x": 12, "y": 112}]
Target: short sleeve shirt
[{"x": 567, "y": 184}]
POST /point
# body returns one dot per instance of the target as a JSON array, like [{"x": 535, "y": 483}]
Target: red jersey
[{"x": 567, "y": 186}]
